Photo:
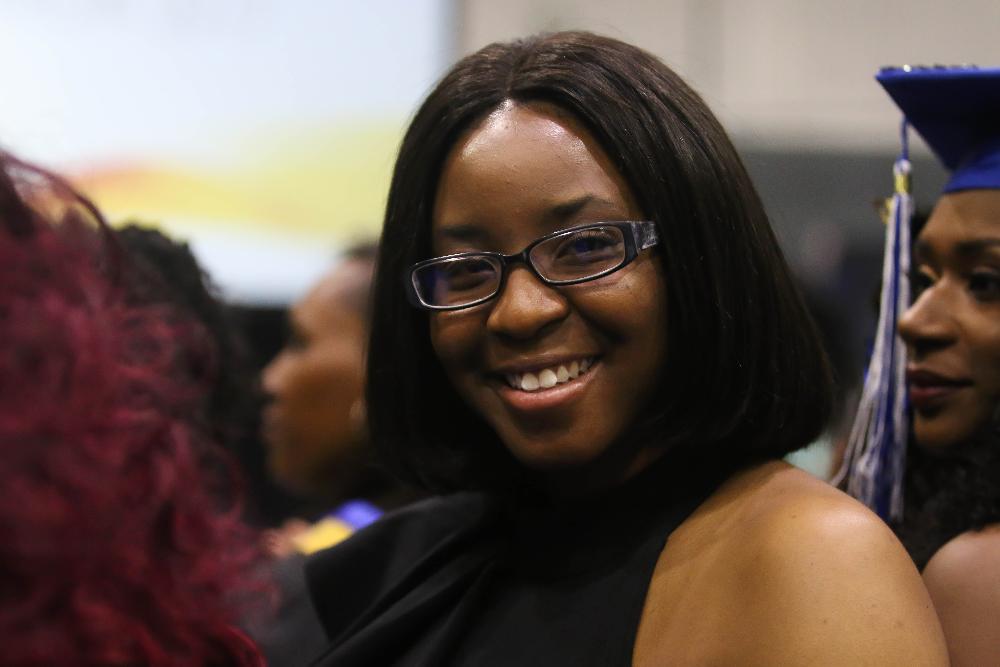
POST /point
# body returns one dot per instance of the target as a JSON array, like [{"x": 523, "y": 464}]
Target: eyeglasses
[{"x": 565, "y": 257}]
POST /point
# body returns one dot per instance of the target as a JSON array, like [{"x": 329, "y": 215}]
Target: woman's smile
[
  {"x": 551, "y": 386},
  {"x": 547, "y": 375}
]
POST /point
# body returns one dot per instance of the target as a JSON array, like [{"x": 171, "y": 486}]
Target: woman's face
[
  {"x": 522, "y": 173},
  {"x": 315, "y": 385},
  {"x": 952, "y": 330}
]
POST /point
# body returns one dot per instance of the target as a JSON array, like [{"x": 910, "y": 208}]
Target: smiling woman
[{"x": 586, "y": 336}]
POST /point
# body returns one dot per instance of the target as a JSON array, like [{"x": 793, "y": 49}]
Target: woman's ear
[{"x": 358, "y": 416}]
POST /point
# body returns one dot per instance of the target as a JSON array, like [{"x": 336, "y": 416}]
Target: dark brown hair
[{"x": 749, "y": 370}]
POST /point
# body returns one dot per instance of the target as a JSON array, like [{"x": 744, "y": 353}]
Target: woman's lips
[
  {"x": 549, "y": 376},
  {"x": 543, "y": 398},
  {"x": 928, "y": 389}
]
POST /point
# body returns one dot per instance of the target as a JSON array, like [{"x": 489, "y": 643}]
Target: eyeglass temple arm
[{"x": 645, "y": 234}]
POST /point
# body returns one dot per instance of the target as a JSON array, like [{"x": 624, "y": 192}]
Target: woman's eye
[
  {"x": 297, "y": 342},
  {"x": 467, "y": 275},
  {"x": 985, "y": 284},
  {"x": 588, "y": 247},
  {"x": 920, "y": 281}
]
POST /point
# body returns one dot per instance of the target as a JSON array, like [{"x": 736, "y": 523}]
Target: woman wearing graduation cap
[{"x": 945, "y": 499}]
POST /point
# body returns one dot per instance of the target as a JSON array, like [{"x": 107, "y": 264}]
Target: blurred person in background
[
  {"x": 289, "y": 633},
  {"x": 950, "y": 489},
  {"x": 315, "y": 423},
  {"x": 172, "y": 276},
  {"x": 122, "y": 542},
  {"x": 315, "y": 426}
]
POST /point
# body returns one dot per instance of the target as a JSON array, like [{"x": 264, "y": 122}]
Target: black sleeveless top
[{"x": 459, "y": 581}]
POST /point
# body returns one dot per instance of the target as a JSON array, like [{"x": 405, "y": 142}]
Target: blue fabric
[
  {"x": 357, "y": 513},
  {"x": 981, "y": 171},
  {"x": 957, "y": 112}
]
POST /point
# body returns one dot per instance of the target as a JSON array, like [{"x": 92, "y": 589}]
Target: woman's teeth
[{"x": 549, "y": 377}]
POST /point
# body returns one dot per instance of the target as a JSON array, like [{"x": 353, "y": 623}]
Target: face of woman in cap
[
  {"x": 558, "y": 372},
  {"x": 952, "y": 330}
]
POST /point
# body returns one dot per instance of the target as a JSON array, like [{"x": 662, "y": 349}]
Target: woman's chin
[
  {"x": 551, "y": 458},
  {"x": 574, "y": 470},
  {"x": 940, "y": 435}
]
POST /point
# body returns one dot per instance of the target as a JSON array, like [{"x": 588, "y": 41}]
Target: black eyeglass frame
[{"x": 638, "y": 235}]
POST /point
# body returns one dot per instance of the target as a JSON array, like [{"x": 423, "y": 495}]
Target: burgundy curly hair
[{"x": 120, "y": 542}]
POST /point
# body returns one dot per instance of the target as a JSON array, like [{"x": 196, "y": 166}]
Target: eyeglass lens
[{"x": 573, "y": 256}]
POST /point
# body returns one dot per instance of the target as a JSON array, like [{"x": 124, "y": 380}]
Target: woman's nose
[
  {"x": 273, "y": 376},
  {"x": 928, "y": 322},
  {"x": 526, "y": 306}
]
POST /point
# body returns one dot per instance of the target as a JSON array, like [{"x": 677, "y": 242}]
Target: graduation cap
[{"x": 957, "y": 112}]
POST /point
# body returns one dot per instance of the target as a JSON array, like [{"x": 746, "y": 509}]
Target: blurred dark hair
[
  {"x": 949, "y": 494},
  {"x": 167, "y": 274},
  {"x": 120, "y": 542},
  {"x": 747, "y": 368}
]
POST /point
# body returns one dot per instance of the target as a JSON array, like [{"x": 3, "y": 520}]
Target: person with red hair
[{"x": 120, "y": 538}]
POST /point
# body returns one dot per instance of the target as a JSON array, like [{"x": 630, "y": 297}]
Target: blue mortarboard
[{"x": 957, "y": 112}]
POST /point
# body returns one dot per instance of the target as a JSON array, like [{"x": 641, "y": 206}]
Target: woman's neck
[{"x": 616, "y": 467}]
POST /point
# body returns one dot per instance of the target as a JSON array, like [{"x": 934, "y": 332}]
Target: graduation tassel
[{"x": 876, "y": 450}]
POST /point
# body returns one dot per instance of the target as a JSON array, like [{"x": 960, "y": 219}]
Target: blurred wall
[
  {"x": 263, "y": 132},
  {"x": 778, "y": 72}
]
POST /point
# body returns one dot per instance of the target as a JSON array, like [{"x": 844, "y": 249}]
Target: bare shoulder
[
  {"x": 786, "y": 511},
  {"x": 778, "y": 513},
  {"x": 796, "y": 531},
  {"x": 963, "y": 578},
  {"x": 796, "y": 572},
  {"x": 834, "y": 574},
  {"x": 966, "y": 563}
]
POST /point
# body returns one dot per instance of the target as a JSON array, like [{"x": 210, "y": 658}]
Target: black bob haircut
[{"x": 746, "y": 376}]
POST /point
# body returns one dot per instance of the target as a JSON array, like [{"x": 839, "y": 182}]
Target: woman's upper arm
[
  {"x": 963, "y": 578},
  {"x": 835, "y": 587}
]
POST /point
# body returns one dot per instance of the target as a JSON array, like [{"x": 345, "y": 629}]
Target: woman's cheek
[{"x": 457, "y": 339}]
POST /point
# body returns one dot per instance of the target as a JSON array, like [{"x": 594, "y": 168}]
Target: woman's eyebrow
[
  {"x": 462, "y": 232},
  {"x": 296, "y": 328},
  {"x": 557, "y": 213},
  {"x": 922, "y": 251},
  {"x": 566, "y": 210},
  {"x": 926, "y": 252},
  {"x": 975, "y": 246}
]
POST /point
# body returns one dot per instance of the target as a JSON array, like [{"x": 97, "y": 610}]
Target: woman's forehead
[
  {"x": 961, "y": 222},
  {"x": 514, "y": 135},
  {"x": 524, "y": 161}
]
